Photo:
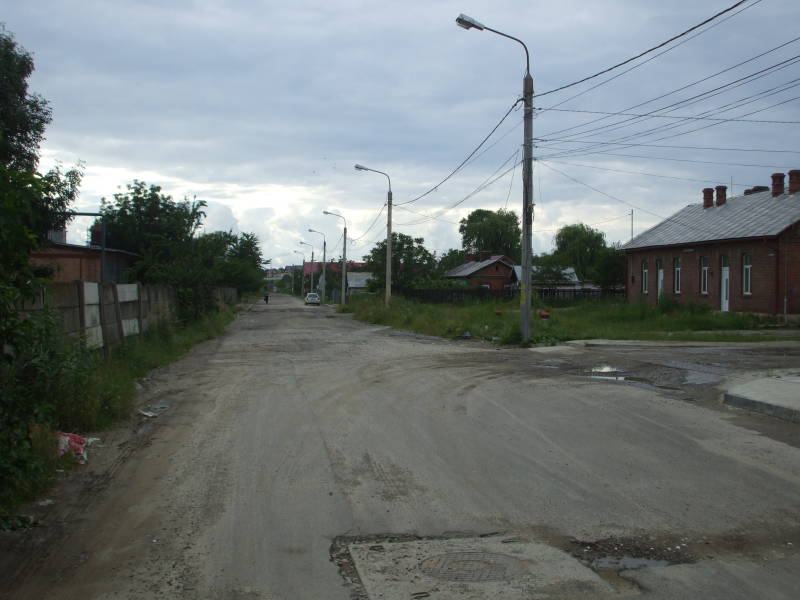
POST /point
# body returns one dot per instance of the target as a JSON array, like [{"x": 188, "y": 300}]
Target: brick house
[
  {"x": 495, "y": 272},
  {"x": 737, "y": 254}
]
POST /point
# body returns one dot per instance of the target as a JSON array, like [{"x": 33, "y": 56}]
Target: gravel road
[{"x": 301, "y": 433}]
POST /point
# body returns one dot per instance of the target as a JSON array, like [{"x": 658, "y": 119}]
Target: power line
[
  {"x": 563, "y": 162},
  {"x": 714, "y": 148},
  {"x": 588, "y": 224},
  {"x": 654, "y": 48},
  {"x": 463, "y": 162},
  {"x": 374, "y": 221},
  {"x": 684, "y": 160},
  {"x": 631, "y": 204},
  {"x": 688, "y": 118},
  {"x": 699, "y": 33},
  {"x": 511, "y": 182}
]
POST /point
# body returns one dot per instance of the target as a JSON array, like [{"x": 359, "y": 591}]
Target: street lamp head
[
  {"x": 468, "y": 22},
  {"x": 325, "y": 212},
  {"x": 361, "y": 168}
]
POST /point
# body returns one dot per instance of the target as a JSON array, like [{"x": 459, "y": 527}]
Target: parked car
[{"x": 312, "y": 298}]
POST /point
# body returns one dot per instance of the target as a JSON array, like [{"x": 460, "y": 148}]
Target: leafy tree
[
  {"x": 492, "y": 231},
  {"x": 146, "y": 222},
  {"x": 579, "y": 246},
  {"x": 450, "y": 260},
  {"x": 549, "y": 269},
  {"x": 23, "y": 116},
  {"x": 411, "y": 262},
  {"x": 610, "y": 268}
]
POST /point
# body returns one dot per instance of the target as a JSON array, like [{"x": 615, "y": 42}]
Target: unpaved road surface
[{"x": 303, "y": 455}]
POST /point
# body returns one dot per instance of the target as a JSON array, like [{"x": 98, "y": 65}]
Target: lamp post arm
[{"x": 511, "y": 37}]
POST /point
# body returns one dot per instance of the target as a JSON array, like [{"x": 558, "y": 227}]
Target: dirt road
[{"x": 304, "y": 455}]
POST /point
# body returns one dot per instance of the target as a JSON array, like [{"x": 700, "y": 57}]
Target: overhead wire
[
  {"x": 464, "y": 162},
  {"x": 610, "y": 79},
  {"x": 648, "y": 51}
]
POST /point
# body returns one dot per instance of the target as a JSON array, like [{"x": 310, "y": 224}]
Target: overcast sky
[{"x": 261, "y": 108}]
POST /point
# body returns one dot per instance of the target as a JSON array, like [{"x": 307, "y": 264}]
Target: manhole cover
[{"x": 472, "y": 566}]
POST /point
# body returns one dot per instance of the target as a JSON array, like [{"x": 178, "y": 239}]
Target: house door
[
  {"x": 659, "y": 278},
  {"x": 724, "y": 284}
]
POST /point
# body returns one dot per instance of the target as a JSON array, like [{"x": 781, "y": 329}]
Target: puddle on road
[
  {"x": 626, "y": 562},
  {"x": 639, "y": 382}
]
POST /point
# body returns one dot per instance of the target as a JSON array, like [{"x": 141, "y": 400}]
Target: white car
[{"x": 312, "y": 298}]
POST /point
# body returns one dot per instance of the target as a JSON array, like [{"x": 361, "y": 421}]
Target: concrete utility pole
[
  {"x": 312, "y": 264},
  {"x": 322, "y": 282},
  {"x": 302, "y": 273},
  {"x": 527, "y": 176},
  {"x": 388, "y": 292},
  {"x": 344, "y": 254}
]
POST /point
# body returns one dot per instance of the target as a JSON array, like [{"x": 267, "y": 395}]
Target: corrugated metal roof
[
  {"x": 474, "y": 266},
  {"x": 754, "y": 215}
]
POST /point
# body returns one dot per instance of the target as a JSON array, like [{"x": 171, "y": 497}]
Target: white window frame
[
  {"x": 704, "y": 275},
  {"x": 676, "y": 275},
  {"x": 747, "y": 274},
  {"x": 645, "y": 276}
]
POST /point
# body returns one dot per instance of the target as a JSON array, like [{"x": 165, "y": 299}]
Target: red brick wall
[
  {"x": 767, "y": 273},
  {"x": 496, "y": 276}
]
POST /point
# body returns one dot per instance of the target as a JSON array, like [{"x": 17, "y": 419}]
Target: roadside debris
[
  {"x": 148, "y": 414},
  {"x": 72, "y": 443}
]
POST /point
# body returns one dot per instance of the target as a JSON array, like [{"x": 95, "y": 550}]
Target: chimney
[
  {"x": 708, "y": 197},
  {"x": 758, "y": 189},
  {"x": 794, "y": 181},
  {"x": 485, "y": 255},
  {"x": 749, "y": 191},
  {"x": 468, "y": 258},
  {"x": 721, "y": 189},
  {"x": 777, "y": 184}
]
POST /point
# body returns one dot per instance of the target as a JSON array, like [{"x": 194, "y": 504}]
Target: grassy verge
[
  {"x": 499, "y": 321},
  {"x": 64, "y": 387}
]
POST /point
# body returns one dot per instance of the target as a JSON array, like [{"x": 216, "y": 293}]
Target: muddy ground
[{"x": 301, "y": 432}]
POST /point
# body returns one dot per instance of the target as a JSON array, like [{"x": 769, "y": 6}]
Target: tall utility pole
[
  {"x": 527, "y": 176},
  {"x": 302, "y": 273},
  {"x": 312, "y": 264},
  {"x": 322, "y": 281},
  {"x": 631, "y": 222},
  {"x": 344, "y": 254},
  {"x": 388, "y": 292}
]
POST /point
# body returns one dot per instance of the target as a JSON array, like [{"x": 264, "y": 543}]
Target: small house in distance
[
  {"x": 494, "y": 272},
  {"x": 732, "y": 254}
]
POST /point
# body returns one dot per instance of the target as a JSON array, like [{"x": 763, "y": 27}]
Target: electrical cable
[
  {"x": 599, "y": 112},
  {"x": 654, "y": 48},
  {"x": 699, "y": 33},
  {"x": 463, "y": 162},
  {"x": 374, "y": 221}
]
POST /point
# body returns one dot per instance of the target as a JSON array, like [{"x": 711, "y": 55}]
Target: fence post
[
  {"x": 139, "y": 309},
  {"x": 118, "y": 312},
  {"x": 81, "y": 309}
]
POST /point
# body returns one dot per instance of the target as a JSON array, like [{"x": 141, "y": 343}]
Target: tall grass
[
  {"x": 606, "y": 319},
  {"x": 58, "y": 385}
]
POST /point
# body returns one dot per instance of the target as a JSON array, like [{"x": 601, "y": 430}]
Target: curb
[{"x": 780, "y": 412}]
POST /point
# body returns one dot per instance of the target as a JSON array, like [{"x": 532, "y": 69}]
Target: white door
[
  {"x": 660, "y": 287},
  {"x": 724, "y": 289}
]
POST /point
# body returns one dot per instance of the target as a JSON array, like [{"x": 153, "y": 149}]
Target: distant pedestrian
[{"x": 266, "y": 297}]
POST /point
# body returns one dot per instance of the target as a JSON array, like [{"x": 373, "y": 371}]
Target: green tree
[
  {"x": 497, "y": 232},
  {"x": 610, "y": 268},
  {"x": 146, "y": 222},
  {"x": 579, "y": 246},
  {"x": 23, "y": 116},
  {"x": 450, "y": 260},
  {"x": 549, "y": 269},
  {"x": 411, "y": 262}
]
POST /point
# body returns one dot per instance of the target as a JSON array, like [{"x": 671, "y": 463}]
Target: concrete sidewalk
[{"x": 777, "y": 396}]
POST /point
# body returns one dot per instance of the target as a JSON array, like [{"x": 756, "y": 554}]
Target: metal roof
[
  {"x": 754, "y": 215},
  {"x": 474, "y": 266}
]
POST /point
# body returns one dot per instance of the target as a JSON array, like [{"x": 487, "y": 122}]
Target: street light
[
  {"x": 388, "y": 294},
  {"x": 324, "y": 257},
  {"x": 344, "y": 254},
  {"x": 312, "y": 264},
  {"x": 302, "y": 273},
  {"x": 527, "y": 176}
]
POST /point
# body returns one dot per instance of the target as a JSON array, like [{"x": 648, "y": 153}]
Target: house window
[
  {"x": 747, "y": 267},
  {"x": 644, "y": 276},
  {"x": 676, "y": 275},
  {"x": 704, "y": 275}
]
